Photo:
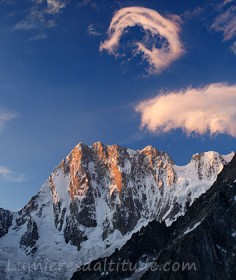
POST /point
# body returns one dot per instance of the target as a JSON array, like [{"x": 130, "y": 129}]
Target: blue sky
[{"x": 57, "y": 89}]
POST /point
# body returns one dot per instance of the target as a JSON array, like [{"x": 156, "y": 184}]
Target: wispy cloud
[
  {"x": 233, "y": 48},
  {"x": 39, "y": 36},
  {"x": 8, "y": 2},
  {"x": 6, "y": 116},
  {"x": 227, "y": 2},
  {"x": 8, "y": 175},
  {"x": 155, "y": 26},
  {"x": 93, "y": 30},
  {"x": 90, "y": 3},
  {"x": 54, "y": 6},
  {"x": 190, "y": 14},
  {"x": 210, "y": 109},
  {"x": 225, "y": 22},
  {"x": 41, "y": 15}
]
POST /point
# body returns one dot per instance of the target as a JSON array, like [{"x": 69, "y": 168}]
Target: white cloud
[
  {"x": 155, "y": 26},
  {"x": 225, "y": 22},
  {"x": 8, "y": 175},
  {"x": 210, "y": 109},
  {"x": 6, "y": 116}
]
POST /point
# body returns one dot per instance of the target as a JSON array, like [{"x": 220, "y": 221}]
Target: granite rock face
[{"x": 201, "y": 245}]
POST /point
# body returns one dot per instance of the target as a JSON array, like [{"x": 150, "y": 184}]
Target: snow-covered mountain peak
[
  {"x": 98, "y": 196},
  {"x": 207, "y": 165},
  {"x": 228, "y": 157}
]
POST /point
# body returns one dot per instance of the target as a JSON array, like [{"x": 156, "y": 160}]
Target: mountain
[
  {"x": 92, "y": 204},
  {"x": 200, "y": 245}
]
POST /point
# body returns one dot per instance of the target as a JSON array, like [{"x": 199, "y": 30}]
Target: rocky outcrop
[
  {"x": 29, "y": 238},
  {"x": 5, "y": 221}
]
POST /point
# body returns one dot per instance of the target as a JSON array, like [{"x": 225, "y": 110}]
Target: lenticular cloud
[
  {"x": 211, "y": 109},
  {"x": 155, "y": 26}
]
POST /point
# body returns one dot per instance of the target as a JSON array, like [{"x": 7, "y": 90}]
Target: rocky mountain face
[
  {"x": 5, "y": 221},
  {"x": 94, "y": 201},
  {"x": 200, "y": 245}
]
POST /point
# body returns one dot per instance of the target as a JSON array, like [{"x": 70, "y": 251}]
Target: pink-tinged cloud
[
  {"x": 155, "y": 26},
  {"x": 211, "y": 109}
]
